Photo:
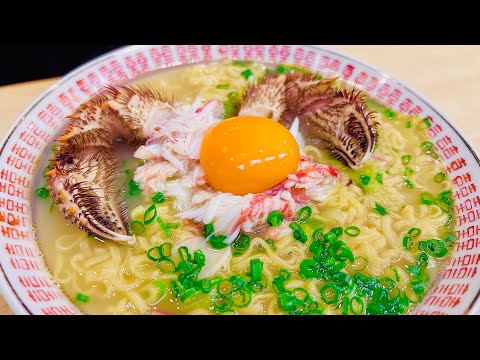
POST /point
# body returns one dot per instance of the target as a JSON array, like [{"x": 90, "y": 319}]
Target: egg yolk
[{"x": 248, "y": 154}]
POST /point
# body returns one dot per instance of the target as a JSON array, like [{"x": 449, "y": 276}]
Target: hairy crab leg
[
  {"x": 85, "y": 171},
  {"x": 336, "y": 119}
]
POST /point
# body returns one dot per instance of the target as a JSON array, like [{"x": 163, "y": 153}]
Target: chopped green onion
[
  {"x": 409, "y": 183},
  {"x": 189, "y": 293},
  {"x": 166, "y": 265},
  {"x": 164, "y": 227},
  {"x": 308, "y": 269},
  {"x": 223, "y": 86},
  {"x": 451, "y": 237},
  {"x": 164, "y": 250},
  {"x": 318, "y": 235},
  {"x": 427, "y": 198},
  {"x": 247, "y": 73},
  {"x": 241, "y": 297},
  {"x": 298, "y": 232},
  {"x": 275, "y": 218},
  {"x": 389, "y": 113},
  {"x": 208, "y": 229},
  {"x": 42, "y": 193},
  {"x": 162, "y": 289},
  {"x": 229, "y": 110},
  {"x": 422, "y": 260},
  {"x": 82, "y": 298},
  {"x": 406, "y": 159},
  {"x": 414, "y": 270},
  {"x": 440, "y": 177},
  {"x": 243, "y": 63},
  {"x": 417, "y": 286},
  {"x": 218, "y": 241},
  {"x": 256, "y": 266},
  {"x": 338, "y": 231},
  {"x": 395, "y": 271},
  {"x": 232, "y": 96},
  {"x": 436, "y": 248},
  {"x": 133, "y": 188},
  {"x": 136, "y": 227},
  {"x": 357, "y": 306},
  {"x": 407, "y": 242},
  {"x": 352, "y": 231},
  {"x": 414, "y": 232},
  {"x": 330, "y": 237},
  {"x": 158, "y": 198},
  {"x": 380, "y": 209},
  {"x": 45, "y": 170},
  {"x": 272, "y": 244},
  {"x": 379, "y": 177},
  {"x": 427, "y": 122},
  {"x": 341, "y": 252},
  {"x": 150, "y": 214},
  {"x": 304, "y": 214},
  {"x": 359, "y": 264},
  {"x": 173, "y": 225},
  {"x": 427, "y": 145},
  {"x": 175, "y": 288},
  {"x": 409, "y": 125},
  {"x": 330, "y": 294},
  {"x": 241, "y": 243},
  {"x": 364, "y": 179}
]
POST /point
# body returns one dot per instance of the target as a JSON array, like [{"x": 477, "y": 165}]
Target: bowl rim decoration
[{"x": 29, "y": 288}]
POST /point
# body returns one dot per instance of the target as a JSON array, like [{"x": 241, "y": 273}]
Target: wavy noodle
[{"x": 121, "y": 280}]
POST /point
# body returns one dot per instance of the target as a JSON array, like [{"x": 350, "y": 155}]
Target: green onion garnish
[
  {"x": 389, "y": 113},
  {"x": 150, "y": 214},
  {"x": 427, "y": 122},
  {"x": 364, "y": 179},
  {"x": 352, "y": 231},
  {"x": 409, "y": 183},
  {"x": 247, "y": 73},
  {"x": 417, "y": 286},
  {"x": 338, "y": 231},
  {"x": 162, "y": 288},
  {"x": 229, "y": 110},
  {"x": 380, "y": 209},
  {"x": 256, "y": 266},
  {"x": 175, "y": 288},
  {"x": 436, "y": 248},
  {"x": 164, "y": 227},
  {"x": 406, "y": 159},
  {"x": 298, "y": 232},
  {"x": 356, "y": 305},
  {"x": 42, "y": 193},
  {"x": 308, "y": 269},
  {"x": 427, "y": 145},
  {"x": 304, "y": 214},
  {"x": 232, "y": 96},
  {"x": 223, "y": 86},
  {"x": 427, "y": 198},
  {"x": 136, "y": 227},
  {"x": 440, "y": 177},
  {"x": 158, "y": 198},
  {"x": 241, "y": 243},
  {"x": 82, "y": 298},
  {"x": 414, "y": 270},
  {"x": 218, "y": 241},
  {"x": 166, "y": 265},
  {"x": 422, "y": 260},
  {"x": 409, "y": 125},
  {"x": 407, "y": 242},
  {"x": 359, "y": 264},
  {"x": 379, "y": 177},
  {"x": 208, "y": 229},
  {"x": 330, "y": 293},
  {"x": 275, "y": 218},
  {"x": 133, "y": 188},
  {"x": 414, "y": 232}
]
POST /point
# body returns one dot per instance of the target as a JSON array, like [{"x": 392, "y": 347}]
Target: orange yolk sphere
[{"x": 248, "y": 154}]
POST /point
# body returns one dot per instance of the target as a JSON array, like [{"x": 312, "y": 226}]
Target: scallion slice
[
  {"x": 150, "y": 214},
  {"x": 275, "y": 218},
  {"x": 304, "y": 214}
]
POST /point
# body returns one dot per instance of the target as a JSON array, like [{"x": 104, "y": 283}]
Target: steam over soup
[{"x": 243, "y": 188}]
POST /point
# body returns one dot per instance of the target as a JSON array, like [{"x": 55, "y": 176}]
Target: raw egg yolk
[{"x": 248, "y": 154}]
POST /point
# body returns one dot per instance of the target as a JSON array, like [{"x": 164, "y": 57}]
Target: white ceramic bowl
[{"x": 25, "y": 281}]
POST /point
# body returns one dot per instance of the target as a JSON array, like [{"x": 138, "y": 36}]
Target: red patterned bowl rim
[{"x": 325, "y": 59}]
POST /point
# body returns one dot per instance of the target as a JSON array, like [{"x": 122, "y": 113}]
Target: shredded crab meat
[{"x": 172, "y": 153}]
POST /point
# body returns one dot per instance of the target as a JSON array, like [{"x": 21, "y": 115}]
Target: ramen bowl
[{"x": 25, "y": 281}]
